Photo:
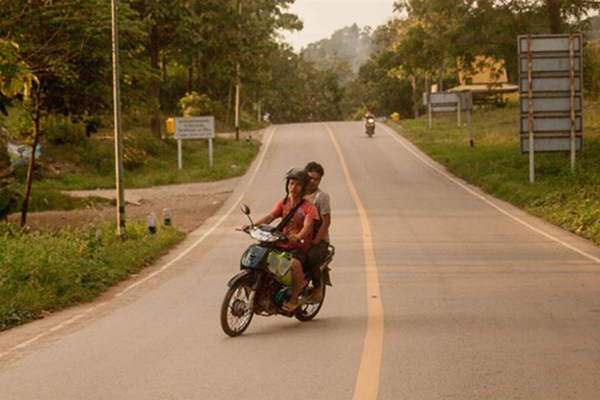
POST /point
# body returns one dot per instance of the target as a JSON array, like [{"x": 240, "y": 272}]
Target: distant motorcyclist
[{"x": 369, "y": 123}]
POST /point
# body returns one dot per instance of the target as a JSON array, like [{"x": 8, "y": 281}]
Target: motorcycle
[
  {"x": 370, "y": 126},
  {"x": 264, "y": 283}
]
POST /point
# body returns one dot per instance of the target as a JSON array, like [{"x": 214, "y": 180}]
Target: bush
[
  {"x": 60, "y": 130},
  {"x": 134, "y": 155},
  {"x": 591, "y": 71},
  {"x": 194, "y": 104}
]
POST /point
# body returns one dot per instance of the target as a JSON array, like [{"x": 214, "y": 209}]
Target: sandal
[{"x": 290, "y": 307}]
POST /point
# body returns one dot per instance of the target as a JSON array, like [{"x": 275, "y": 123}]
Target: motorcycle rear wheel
[
  {"x": 309, "y": 311},
  {"x": 235, "y": 313}
]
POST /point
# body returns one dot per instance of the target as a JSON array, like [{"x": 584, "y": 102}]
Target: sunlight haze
[{"x": 322, "y": 18}]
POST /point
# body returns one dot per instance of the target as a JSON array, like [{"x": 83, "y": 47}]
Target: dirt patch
[{"x": 190, "y": 205}]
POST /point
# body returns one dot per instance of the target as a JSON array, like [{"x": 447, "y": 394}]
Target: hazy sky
[{"x": 323, "y": 17}]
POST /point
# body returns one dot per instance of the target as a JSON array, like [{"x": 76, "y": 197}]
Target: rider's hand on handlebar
[
  {"x": 294, "y": 238},
  {"x": 245, "y": 228}
]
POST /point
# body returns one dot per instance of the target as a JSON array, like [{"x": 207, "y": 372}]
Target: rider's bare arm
[
  {"x": 267, "y": 219},
  {"x": 306, "y": 229},
  {"x": 323, "y": 229}
]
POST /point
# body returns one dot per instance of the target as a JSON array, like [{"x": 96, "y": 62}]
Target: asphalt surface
[{"x": 480, "y": 300}]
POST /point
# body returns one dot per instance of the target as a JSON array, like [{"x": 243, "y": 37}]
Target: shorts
[
  {"x": 299, "y": 255},
  {"x": 316, "y": 255}
]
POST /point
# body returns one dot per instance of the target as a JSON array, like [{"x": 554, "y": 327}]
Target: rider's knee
[{"x": 295, "y": 264}]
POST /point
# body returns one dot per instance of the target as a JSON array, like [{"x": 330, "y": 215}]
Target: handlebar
[{"x": 283, "y": 238}]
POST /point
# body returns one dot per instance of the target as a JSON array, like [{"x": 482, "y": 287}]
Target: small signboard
[
  {"x": 448, "y": 101},
  {"x": 551, "y": 104},
  {"x": 550, "y": 44},
  {"x": 551, "y": 143},
  {"x": 440, "y": 102},
  {"x": 195, "y": 127},
  {"x": 19, "y": 154}
]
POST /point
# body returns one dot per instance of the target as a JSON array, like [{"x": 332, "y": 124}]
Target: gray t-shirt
[{"x": 322, "y": 201}]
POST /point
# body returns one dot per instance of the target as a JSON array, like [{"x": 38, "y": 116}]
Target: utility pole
[
  {"x": 238, "y": 85},
  {"x": 117, "y": 115}
]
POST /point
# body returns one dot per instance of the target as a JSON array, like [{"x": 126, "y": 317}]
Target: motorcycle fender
[{"x": 243, "y": 274}]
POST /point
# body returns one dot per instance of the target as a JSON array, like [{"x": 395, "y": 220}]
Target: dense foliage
[
  {"x": 173, "y": 47},
  {"x": 435, "y": 38}
]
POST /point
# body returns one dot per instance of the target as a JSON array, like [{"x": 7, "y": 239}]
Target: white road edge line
[
  {"x": 68, "y": 322},
  {"x": 395, "y": 135}
]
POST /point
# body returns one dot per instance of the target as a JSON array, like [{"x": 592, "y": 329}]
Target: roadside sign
[
  {"x": 550, "y": 44},
  {"x": 551, "y": 104},
  {"x": 19, "y": 154},
  {"x": 551, "y": 144},
  {"x": 195, "y": 128},
  {"x": 444, "y": 102},
  {"x": 438, "y": 102},
  {"x": 551, "y": 89}
]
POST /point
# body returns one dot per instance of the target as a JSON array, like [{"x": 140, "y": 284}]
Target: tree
[
  {"x": 441, "y": 27},
  {"x": 297, "y": 91},
  {"x": 414, "y": 56},
  {"x": 162, "y": 20},
  {"x": 15, "y": 76},
  {"x": 16, "y": 79},
  {"x": 53, "y": 39}
]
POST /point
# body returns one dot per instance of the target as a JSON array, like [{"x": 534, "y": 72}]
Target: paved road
[{"x": 439, "y": 292}]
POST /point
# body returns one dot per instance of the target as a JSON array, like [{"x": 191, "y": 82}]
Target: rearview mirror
[{"x": 245, "y": 209}]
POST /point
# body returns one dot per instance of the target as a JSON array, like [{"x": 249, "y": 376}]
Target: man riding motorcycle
[
  {"x": 369, "y": 123},
  {"x": 299, "y": 230}
]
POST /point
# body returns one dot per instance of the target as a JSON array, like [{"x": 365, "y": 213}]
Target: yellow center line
[{"x": 367, "y": 381}]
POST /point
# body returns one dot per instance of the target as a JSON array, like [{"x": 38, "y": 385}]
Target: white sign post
[{"x": 194, "y": 128}]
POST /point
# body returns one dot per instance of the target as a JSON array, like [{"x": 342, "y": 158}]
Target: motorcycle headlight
[{"x": 371, "y": 120}]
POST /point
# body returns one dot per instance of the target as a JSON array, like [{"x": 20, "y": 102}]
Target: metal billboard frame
[{"x": 551, "y": 89}]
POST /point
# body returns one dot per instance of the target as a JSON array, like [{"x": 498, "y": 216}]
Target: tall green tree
[
  {"x": 297, "y": 91},
  {"x": 440, "y": 26},
  {"x": 66, "y": 43},
  {"x": 162, "y": 20}
]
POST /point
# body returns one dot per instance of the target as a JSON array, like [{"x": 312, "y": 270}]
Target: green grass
[
  {"x": 160, "y": 167},
  {"x": 47, "y": 270},
  {"x": 568, "y": 199}
]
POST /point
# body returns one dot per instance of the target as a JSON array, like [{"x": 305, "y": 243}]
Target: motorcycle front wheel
[
  {"x": 308, "y": 311},
  {"x": 236, "y": 314}
]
